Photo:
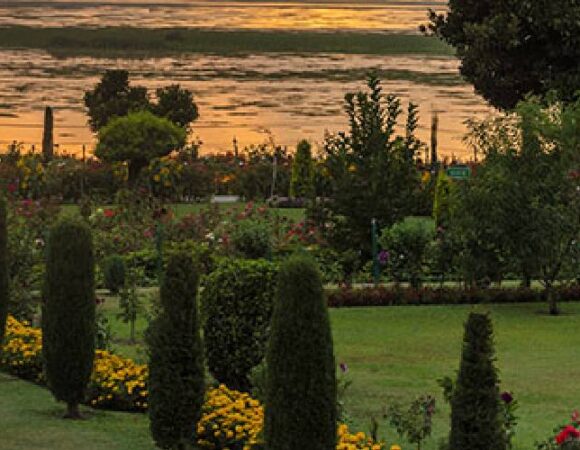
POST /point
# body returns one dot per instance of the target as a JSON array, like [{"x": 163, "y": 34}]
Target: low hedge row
[{"x": 388, "y": 296}]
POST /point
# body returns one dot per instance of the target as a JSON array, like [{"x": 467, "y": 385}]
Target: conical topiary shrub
[
  {"x": 176, "y": 371},
  {"x": 68, "y": 319},
  {"x": 4, "y": 290},
  {"x": 475, "y": 409},
  {"x": 301, "y": 382}
]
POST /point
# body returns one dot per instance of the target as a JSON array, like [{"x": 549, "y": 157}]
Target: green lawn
[
  {"x": 31, "y": 419},
  {"x": 393, "y": 354},
  {"x": 182, "y": 209}
]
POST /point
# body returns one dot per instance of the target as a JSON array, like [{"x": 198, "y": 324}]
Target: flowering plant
[{"x": 567, "y": 437}]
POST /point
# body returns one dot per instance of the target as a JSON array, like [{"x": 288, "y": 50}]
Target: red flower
[
  {"x": 567, "y": 433},
  {"x": 12, "y": 188},
  {"x": 109, "y": 213}
]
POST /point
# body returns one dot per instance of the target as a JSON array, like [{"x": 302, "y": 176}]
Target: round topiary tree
[
  {"x": 138, "y": 138},
  {"x": 68, "y": 317},
  {"x": 4, "y": 289},
  {"x": 301, "y": 409},
  {"x": 475, "y": 409},
  {"x": 237, "y": 303},
  {"x": 176, "y": 370}
]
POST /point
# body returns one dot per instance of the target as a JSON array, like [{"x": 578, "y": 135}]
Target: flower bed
[
  {"x": 383, "y": 296},
  {"x": 230, "y": 419}
]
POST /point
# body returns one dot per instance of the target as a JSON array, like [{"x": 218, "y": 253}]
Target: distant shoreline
[
  {"x": 178, "y": 3},
  {"x": 128, "y": 41}
]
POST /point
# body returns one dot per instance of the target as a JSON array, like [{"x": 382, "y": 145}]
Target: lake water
[{"x": 250, "y": 97}]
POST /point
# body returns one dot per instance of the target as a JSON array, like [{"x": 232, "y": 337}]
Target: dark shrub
[
  {"x": 252, "y": 240},
  {"x": 237, "y": 303},
  {"x": 114, "y": 273},
  {"x": 301, "y": 409},
  {"x": 176, "y": 373},
  {"x": 475, "y": 408},
  {"x": 68, "y": 319}
]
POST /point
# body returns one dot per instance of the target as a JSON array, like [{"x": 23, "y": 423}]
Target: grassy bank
[{"x": 141, "y": 41}]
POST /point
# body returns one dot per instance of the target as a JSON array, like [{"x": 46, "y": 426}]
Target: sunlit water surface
[
  {"x": 251, "y": 98},
  {"x": 368, "y": 16}
]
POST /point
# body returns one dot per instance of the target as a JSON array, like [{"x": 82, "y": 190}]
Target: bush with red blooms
[{"x": 567, "y": 436}]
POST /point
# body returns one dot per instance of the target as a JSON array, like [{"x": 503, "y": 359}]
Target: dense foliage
[
  {"x": 176, "y": 369},
  {"x": 68, "y": 316},
  {"x": 236, "y": 304},
  {"x": 301, "y": 390},
  {"x": 511, "y": 48},
  {"x": 114, "y": 97},
  {"x": 475, "y": 408},
  {"x": 371, "y": 169},
  {"x": 407, "y": 244},
  {"x": 530, "y": 171}
]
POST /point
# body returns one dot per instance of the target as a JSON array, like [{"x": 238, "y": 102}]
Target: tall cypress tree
[
  {"x": 301, "y": 381},
  {"x": 302, "y": 180},
  {"x": 475, "y": 409},
  {"x": 4, "y": 290},
  {"x": 176, "y": 371},
  {"x": 68, "y": 319}
]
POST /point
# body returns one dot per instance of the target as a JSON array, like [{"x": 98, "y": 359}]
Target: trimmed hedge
[
  {"x": 236, "y": 306},
  {"x": 383, "y": 296}
]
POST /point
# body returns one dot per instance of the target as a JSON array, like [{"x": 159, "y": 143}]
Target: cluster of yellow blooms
[
  {"x": 118, "y": 383},
  {"x": 165, "y": 171},
  {"x": 230, "y": 419},
  {"x": 21, "y": 353},
  {"x": 31, "y": 173}
]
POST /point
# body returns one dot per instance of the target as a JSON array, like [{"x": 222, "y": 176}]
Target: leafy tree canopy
[
  {"x": 137, "y": 139},
  {"x": 371, "y": 168},
  {"x": 114, "y": 97},
  {"x": 511, "y": 48}
]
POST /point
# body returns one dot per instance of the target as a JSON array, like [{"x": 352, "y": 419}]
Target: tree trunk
[
  {"x": 552, "y": 298},
  {"x": 72, "y": 411},
  {"x": 132, "y": 336}
]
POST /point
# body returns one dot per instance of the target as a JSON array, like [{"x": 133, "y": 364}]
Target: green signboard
[{"x": 459, "y": 172}]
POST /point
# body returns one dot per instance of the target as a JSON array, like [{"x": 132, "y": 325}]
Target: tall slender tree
[
  {"x": 176, "y": 369},
  {"x": 68, "y": 317},
  {"x": 302, "y": 181},
  {"x": 301, "y": 409},
  {"x": 475, "y": 408}
]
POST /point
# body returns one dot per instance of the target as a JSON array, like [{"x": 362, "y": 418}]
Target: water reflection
[
  {"x": 391, "y": 16},
  {"x": 290, "y": 96}
]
